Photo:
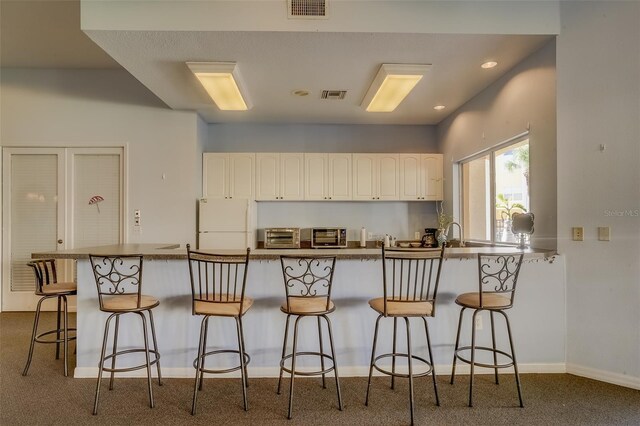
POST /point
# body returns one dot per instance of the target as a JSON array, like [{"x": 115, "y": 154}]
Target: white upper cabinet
[
  {"x": 327, "y": 176},
  {"x": 375, "y": 176},
  {"x": 279, "y": 176},
  {"x": 432, "y": 183},
  {"x": 228, "y": 175},
  {"x": 322, "y": 176},
  {"x": 421, "y": 177}
]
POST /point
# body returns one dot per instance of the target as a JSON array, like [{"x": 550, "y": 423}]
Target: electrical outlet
[
  {"x": 416, "y": 235},
  {"x": 479, "y": 322},
  {"x": 578, "y": 233},
  {"x": 604, "y": 233},
  {"x": 370, "y": 236}
]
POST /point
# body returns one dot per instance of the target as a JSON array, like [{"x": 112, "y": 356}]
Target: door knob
[{"x": 60, "y": 241}]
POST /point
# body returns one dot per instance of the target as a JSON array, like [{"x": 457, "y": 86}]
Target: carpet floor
[{"x": 45, "y": 396}]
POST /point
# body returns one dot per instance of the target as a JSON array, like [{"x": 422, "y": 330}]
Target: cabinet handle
[{"x": 329, "y": 197}]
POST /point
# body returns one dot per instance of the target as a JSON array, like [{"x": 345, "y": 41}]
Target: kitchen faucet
[{"x": 446, "y": 232}]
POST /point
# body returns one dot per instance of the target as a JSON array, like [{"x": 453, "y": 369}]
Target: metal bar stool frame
[
  {"x": 118, "y": 274},
  {"x": 502, "y": 275},
  {"x": 307, "y": 276},
  {"x": 46, "y": 281},
  {"x": 409, "y": 269},
  {"x": 207, "y": 273}
]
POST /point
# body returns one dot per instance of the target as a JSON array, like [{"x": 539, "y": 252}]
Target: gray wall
[
  {"x": 523, "y": 97},
  {"x": 110, "y": 108},
  {"x": 320, "y": 138},
  {"x": 400, "y": 219},
  {"x": 599, "y": 103}
]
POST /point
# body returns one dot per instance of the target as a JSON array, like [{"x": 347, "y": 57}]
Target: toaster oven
[
  {"x": 328, "y": 238},
  {"x": 275, "y": 238}
]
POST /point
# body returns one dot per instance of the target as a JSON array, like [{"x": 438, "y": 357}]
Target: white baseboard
[
  {"x": 604, "y": 376},
  {"x": 355, "y": 371}
]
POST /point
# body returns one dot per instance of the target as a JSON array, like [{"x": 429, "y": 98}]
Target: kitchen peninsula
[{"x": 540, "y": 340}]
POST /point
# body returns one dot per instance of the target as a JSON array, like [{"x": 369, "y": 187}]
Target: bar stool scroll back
[
  {"x": 119, "y": 283},
  {"x": 410, "y": 279},
  {"x": 307, "y": 283},
  {"x": 47, "y": 286},
  {"x": 497, "y": 279},
  {"x": 218, "y": 289}
]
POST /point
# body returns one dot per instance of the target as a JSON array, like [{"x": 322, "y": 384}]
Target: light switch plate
[
  {"x": 578, "y": 233},
  {"x": 604, "y": 233}
]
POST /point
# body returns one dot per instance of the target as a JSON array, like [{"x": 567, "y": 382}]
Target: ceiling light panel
[
  {"x": 391, "y": 85},
  {"x": 223, "y": 83}
]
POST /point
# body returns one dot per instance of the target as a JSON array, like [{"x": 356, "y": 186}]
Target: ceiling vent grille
[
  {"x": 333, "y": 94},
  {"x": 307, "y": 9}
]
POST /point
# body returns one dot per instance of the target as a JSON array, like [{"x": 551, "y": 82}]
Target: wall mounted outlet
[
  {"x": 137, "y": 221},
  {"x": 416, "y": 235},
  {"x": 370, "y": 236},
  {"x": 604, "y": 233},
  {"x": 479, "y": 322},
  {"x": 578, "y": 233}
]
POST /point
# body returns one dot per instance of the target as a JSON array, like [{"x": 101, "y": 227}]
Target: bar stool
[
  {"x": 119, "y": 283},
  {"x": 307, "y": 283},
  {"x": 48, "y": 287},
  {"x": 410, "y": 279},
  {"x": 498, "y": 276},
  {"x": 217, "y": 286}
]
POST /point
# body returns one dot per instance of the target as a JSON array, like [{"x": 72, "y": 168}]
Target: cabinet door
[
  {"x": 411, "y": 177},
  {"x": 241, "y": 175},
  {"x": 215, "y": 175},
  {"x": 339, "y": 177},
  {"x": 433, "y": 181},
  {"x": 292, "y": 176},
  {"x": 388, "y": 177},
  {"x": 267, "y": 176},
  {"x": 315, "y": 177},
  {"x": 364, "y": 173}
]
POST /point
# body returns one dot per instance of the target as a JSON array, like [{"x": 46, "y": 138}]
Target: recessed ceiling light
[
  {"x": 300, "y": 92},
  {"x": 439, "y": 107},
  {"x": 489, "y": 64}
]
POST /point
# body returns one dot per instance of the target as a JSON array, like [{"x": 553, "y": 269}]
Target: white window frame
[{"x": 490, "y": 151}]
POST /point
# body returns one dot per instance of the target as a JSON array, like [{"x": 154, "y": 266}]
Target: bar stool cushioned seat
[
  {"x": 218, "y": 284},
  {"x": 307, "y": 305},
  {"x": 47, "y": 286},
  {"x": 410, "y": 280},
  {"x": 119, "y": 284},
  {"x": 498, "y": 276}
]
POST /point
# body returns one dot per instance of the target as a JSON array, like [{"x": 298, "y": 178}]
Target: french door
[{"x": 56, "y": 199}]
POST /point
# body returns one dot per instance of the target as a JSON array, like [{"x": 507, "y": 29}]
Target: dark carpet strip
[{"x": 45, "y": 396}]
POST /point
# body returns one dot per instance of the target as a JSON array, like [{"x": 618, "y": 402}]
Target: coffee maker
[{"x": 429, "y": 238}]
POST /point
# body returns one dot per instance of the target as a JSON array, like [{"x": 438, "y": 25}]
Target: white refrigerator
[{"x": 226, "y": 224}]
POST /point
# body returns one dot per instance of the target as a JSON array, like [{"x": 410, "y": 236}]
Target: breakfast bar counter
[{"x": 539, "y": 338}]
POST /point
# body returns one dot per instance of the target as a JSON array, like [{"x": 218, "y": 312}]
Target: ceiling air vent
[
  {"x": 307, "y": 9},
  {"x": 333, "y": 94}
]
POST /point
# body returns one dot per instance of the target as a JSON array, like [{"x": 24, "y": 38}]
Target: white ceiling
[{"x": 272, "y": 64}]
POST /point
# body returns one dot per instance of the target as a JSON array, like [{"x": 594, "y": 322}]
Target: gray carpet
[{"x": 45, "y": 396}]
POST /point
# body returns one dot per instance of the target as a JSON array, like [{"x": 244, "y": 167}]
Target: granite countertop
[{"x": 176, "y": 251}]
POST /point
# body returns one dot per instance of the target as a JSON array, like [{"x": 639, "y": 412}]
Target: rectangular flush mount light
[
  {"x": 391, "y": 85},
  {"x": 223, "y": 83}
]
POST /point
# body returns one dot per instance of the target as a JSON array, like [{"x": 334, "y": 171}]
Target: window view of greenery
[{"x": 504, "y": 174}]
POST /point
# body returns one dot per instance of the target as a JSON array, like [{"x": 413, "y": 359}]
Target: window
[{"x": 494, "y": 186}]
